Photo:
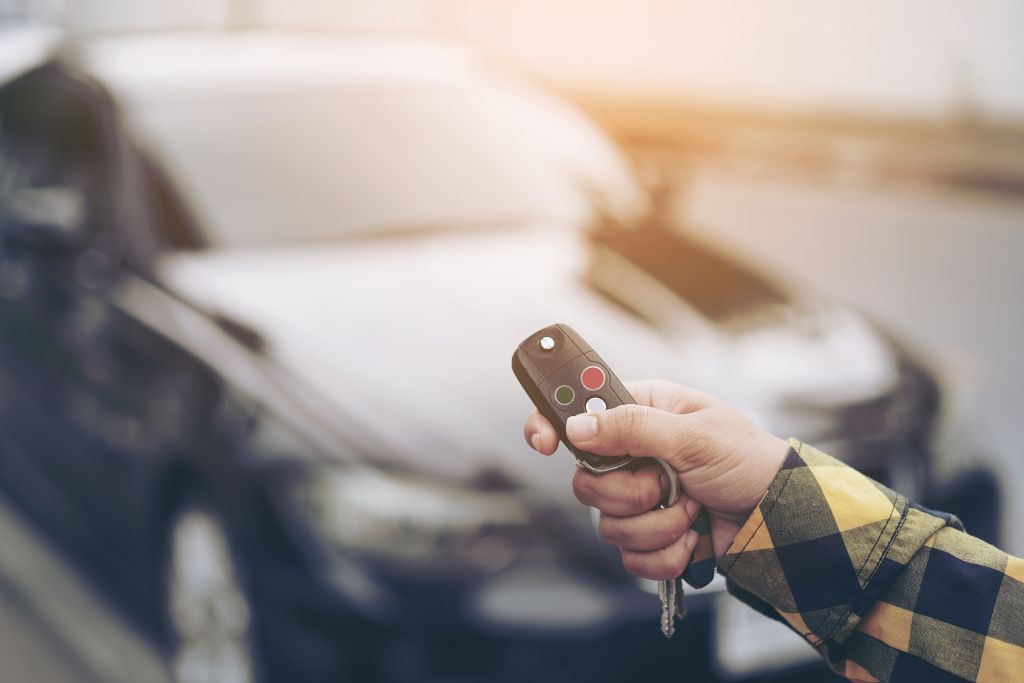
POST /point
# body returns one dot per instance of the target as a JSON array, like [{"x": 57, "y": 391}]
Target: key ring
[
  {"x": 673, "y": 476},
  {"x": 673, "y": 484}
]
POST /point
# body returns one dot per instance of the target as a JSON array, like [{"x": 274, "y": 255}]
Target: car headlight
[
  {"x": 886, "y": 438},
  {"x": 409, "y": 523},
  {"x": 907, "y": 412}
]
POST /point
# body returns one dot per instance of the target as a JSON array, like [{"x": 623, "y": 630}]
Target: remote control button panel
[{"x": 565, "y": 377}]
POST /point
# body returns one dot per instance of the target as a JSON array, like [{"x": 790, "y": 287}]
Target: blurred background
[{"x": 263, "y": 266}]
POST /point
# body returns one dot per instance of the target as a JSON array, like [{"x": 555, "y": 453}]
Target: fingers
[
  {"x": 539, "y": 433},
  {"x": 655, "y": 544},
  {"x": 652, "y": 530},
  {"x": 663, "y": 564},
  {"x": 659, "y": 394},
  {"x": 638, "y": 430},
  {"x": 621, "y": 493}
]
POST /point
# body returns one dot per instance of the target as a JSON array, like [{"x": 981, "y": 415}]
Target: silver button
[
  {"x": 595, "y": 404},
  {"x": 547, "y": 343}
]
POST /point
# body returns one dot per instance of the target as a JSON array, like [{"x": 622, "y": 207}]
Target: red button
[{"x": 592, "y": 378}]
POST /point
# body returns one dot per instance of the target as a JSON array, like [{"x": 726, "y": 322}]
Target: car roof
[{"x": 204, "y": 64}]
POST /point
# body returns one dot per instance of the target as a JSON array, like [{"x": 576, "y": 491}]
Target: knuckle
[
  {"x": 609, "y": 530},
  {"x": 678, "y": 522},
  {"x": 629, "y": 416},
  {"x": 700, "y": 438},
  {"x": 642, "y": 533},
  {"x": 656, "y": 539},
  {"x": 634, "y": 564},
  {"x": 644, "y": 497},
  {"x": 677, "y": 560},
  {"x": 627, "y": 420},
  {"x": 654, "y": 495},
  {"x": 657, "y": 566},
  {"x": 678, "y": 557},
  {"x": 583, "y": 488},
  {"x": 664, "y": 568},
  {"x": 661, "y": 573},
  {"x": 670, "y": 531}
]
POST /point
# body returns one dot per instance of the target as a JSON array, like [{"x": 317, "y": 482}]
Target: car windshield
[
  {"x": 377, "y": 159},
  {"x": 719, "y": 288}
]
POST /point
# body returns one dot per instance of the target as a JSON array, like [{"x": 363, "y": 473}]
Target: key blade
[
  {"x": 668, "y": 594},
  {"x": 668, "y": 629},
  {"x": 680, "y": 601}
]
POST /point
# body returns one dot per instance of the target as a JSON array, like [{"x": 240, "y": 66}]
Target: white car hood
[{"x": 414, "y": 337}]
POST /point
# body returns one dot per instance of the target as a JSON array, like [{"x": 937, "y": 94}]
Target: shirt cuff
[{"x": 823, "y": 543}]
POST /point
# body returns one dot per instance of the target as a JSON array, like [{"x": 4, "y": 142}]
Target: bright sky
[
  {"x": 917, "y": 58},
  {"x": 902, "y": 57}
]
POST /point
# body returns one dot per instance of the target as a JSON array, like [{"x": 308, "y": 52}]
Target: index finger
[{"x": 539, "y": 433}]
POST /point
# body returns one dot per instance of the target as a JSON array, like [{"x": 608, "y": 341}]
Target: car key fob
[{"x": 564, "y": 376}]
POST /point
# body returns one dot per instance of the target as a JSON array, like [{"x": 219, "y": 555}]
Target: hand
[{"x": 724, "y": 462}]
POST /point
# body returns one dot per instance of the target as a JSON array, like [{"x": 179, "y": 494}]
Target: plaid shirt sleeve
[{"x": 884, "y": 589}]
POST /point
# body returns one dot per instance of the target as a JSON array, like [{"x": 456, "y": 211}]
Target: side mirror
[{"x": 46, "y": 218}]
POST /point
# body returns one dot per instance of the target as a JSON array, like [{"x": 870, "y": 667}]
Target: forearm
[{"x": 883, "y": 588}]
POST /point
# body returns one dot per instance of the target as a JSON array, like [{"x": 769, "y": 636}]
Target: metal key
[{"x": 670, "y": 592}]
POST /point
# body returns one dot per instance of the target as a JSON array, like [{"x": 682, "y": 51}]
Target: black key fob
[{"x": 564, "y": 376}]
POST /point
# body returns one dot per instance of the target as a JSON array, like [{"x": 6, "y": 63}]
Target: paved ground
[
  {"x": 52, "y": 629},
  {"x": 945, "y": 270},
  {"x": 28, "y": 653}
]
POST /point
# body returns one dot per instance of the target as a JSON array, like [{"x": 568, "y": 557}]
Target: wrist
[{"x": 760, "y": 470}]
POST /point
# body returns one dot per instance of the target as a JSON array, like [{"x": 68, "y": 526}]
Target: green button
[{"x": 564, "y": 394}]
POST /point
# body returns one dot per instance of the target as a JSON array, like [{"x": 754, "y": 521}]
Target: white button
[
  {"x": 547, "y": 343},
  {"x": 595, "y": 404}
]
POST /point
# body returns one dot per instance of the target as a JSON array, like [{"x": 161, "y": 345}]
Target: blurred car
[{"x": 255, "y": 329}]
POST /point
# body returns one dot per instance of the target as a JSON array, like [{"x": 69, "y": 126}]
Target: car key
[
  {"x": 670, "y": 592},
  {"x": 564, "y": 376}
]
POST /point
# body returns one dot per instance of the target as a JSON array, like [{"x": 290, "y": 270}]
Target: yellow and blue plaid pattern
[{"x": 884, "y": 589}]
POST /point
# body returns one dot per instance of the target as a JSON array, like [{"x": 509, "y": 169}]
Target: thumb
[{"x": 635, "y": 430}]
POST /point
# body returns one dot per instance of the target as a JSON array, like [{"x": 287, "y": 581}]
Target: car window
[
  {"x": 720, "y": 288},
  {"x": 172, "y": 222},
  {"x": 52, "y": 158},
  {"x": 373, "y": 160}
]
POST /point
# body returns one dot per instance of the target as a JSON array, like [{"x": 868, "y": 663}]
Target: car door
[{"x": 94, "y": 399}]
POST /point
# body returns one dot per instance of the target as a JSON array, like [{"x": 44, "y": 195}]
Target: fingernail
[
  {"x": 581, "y": 427},
  {"x": 691, "y": 507},
  {"x": 691, "y": 539},
  {"x": 535, "y": 441}
]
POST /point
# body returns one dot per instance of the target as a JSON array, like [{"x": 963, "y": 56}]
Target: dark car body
[{"x": 124, "y": 395}]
